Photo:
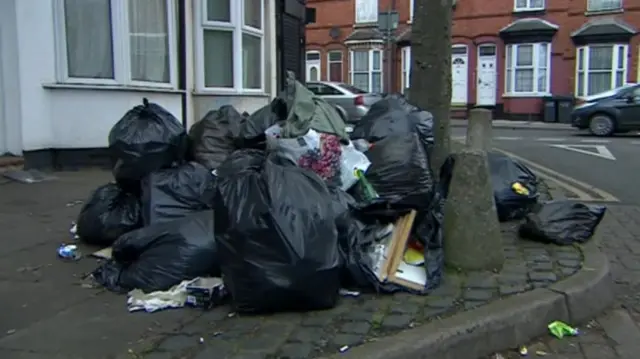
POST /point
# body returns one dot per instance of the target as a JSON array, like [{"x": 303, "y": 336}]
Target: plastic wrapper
[
  {"x": 213, "y": 137},
  {"x": 276, "y": 234},
  {"x": 146, "y": 139},
  {"x": 108, "y": 213},
  {"x": 322, "y": 153},
  {"x": 177, "y": 192},
  {"x": 562, "y": 222},
  {"x": 157, "y": 257}
]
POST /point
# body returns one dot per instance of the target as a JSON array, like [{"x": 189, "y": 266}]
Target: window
[
  {"x": 406, "y": 68},
  {"x": 116, "y": 42},
  {"x": 324, "y": 90},
  {"x": 352, "y": 89},
  {"x": 604, "y": 5},
  {"x": 231, "y": 46},
  {"x": 600, "y": 68},
  {"x": 334, "y": 60},
  {"x": 528, "y": 5},
  {"x": 366, "y": 70},
  {"x": 528, "y": 69},
  {"x": 366, "y": 11}
]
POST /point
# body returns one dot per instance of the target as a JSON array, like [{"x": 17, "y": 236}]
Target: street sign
[{"x": 596, "y": 150}]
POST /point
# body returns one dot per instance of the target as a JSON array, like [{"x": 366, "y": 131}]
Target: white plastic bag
[{"x": 351, "y": 161}]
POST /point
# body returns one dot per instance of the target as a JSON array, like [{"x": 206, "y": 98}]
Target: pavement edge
[
  {"x": 512, "y": 125},
  {"x": 505, "y": 323}
]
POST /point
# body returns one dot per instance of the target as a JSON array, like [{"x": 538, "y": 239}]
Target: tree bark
[{"x": 430, "y": 78}]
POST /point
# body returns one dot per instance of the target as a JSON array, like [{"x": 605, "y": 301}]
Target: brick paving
[
  {"x": 616, "y": 333},
  {"x": 49, "y": 311}
]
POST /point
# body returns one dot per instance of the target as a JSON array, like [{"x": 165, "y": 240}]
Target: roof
[
  {"x": 529, "y": 24},
  {"x": 365, "y": 34},
  {"x": 605, "y": 26}
]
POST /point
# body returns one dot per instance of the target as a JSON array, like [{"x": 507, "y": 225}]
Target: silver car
[{"x": 351, "y": 102}]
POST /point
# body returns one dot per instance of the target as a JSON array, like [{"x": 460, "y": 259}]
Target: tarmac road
[{"x": 593, "y": 168}]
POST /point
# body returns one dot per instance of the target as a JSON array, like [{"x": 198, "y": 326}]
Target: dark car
[{"x": 609, "y": 112}]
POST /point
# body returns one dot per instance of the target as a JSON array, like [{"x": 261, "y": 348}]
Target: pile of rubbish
[{"x": 281, "y": 209}]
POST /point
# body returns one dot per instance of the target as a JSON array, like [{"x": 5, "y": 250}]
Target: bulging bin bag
[
  {"x": 157, "y": 257},
  {"x": 147, "y": 138},
  {"x": 276, "y": 232},
  {"x": 109, "y": 213},
  {"x": 213, "y": 137},
  {"x": 176, "y": 192},
  {"x": 562, "y": 222}
]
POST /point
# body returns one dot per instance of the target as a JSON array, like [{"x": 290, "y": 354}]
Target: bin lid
[{"x": 563, "y": 98}]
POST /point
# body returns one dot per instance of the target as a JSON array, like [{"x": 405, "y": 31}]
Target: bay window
[
  {"x": 231, "y": 45},
  {"x": 528, "y": 69},
  {"x": 366, "y": 69},
  {"x": 116, "y": 42},
  {"x": 600, "y": 68}
]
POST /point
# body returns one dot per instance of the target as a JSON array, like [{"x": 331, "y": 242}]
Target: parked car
[
  {"x": 606, "y": 113},
  {"x": 351, "y": 102}
]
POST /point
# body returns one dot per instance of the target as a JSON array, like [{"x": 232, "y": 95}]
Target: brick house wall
[{"x": 478, "y": 24}]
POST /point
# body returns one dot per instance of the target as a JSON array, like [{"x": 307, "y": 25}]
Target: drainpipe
[{"x": 182, "y": 59}]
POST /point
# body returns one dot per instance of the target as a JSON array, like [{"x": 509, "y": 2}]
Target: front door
[
  {"x": 487, "y": 74},
  {"x": 459, "y": 74},
  {"x": 313, "y": 66}
]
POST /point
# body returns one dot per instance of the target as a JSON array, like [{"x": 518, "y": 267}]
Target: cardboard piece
[
  {"x": 104, "y": 253},
  {"x": 389, "y": 262}
]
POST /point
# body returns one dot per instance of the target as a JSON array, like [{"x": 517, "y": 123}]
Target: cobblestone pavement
[
  {"x": 615, "y": 334},
  {"x": 48, "y": 311}
]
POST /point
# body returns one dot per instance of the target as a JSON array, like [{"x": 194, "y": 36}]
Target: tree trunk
[{"x": 430, "y": 79}]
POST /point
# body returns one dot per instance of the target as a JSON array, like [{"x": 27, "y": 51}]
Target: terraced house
[
  {"x": 507, "y": 55},
  {"x": 69, "y": 69}
]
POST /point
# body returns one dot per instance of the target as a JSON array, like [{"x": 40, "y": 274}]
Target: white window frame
[
  {"x": 405, "y": 77},
  {"x": 329, "y": 62},
  {"x": 411, "y": 10},
  {"x": 595, "y": 5},
  {"x": 582, "y": 52},
  {"x": 528, "y": 6},
  {"x": 370, "y": 70},
  {"x": 238, "y": 28},
  {"x": 368, "y": 13},
  {"x": 511, "y": 66},
  {"x": 121, "y": 48}
]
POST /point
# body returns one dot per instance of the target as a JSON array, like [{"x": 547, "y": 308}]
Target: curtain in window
[
  {"x": 360, "y": 70},
  {"x": 149, "y": 41},
  {"x": 251, "y": 61},
  {"x": 376, "y": 73},
  {"x": 543, "y": 50},
  {"x": 218, "y": 46},
  {"x": 600, "y": 69},
  {"x": 89, "y": 39},
  {"x": 524, "y": 68}
]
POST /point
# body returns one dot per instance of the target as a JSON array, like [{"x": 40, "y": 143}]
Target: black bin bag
[
  {"x": 505, "y": 172},
  {"x": 176, "y": 192},
  {"x": 147, "y": 138},
  {"x": 252, "y": 130},
  {"x": 162, "y": 255},
  {"x": 393, "y": 115},
  {"x": 212, "y": 138},
  {"x": 109, "y": 213},
  {"x": 276, "y": 233},
  {"x": 562, "y": 222},
  {"x": 399, "y": 172}
]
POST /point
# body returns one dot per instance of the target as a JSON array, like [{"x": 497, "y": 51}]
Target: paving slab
[{"x": 48, "y": 300}]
